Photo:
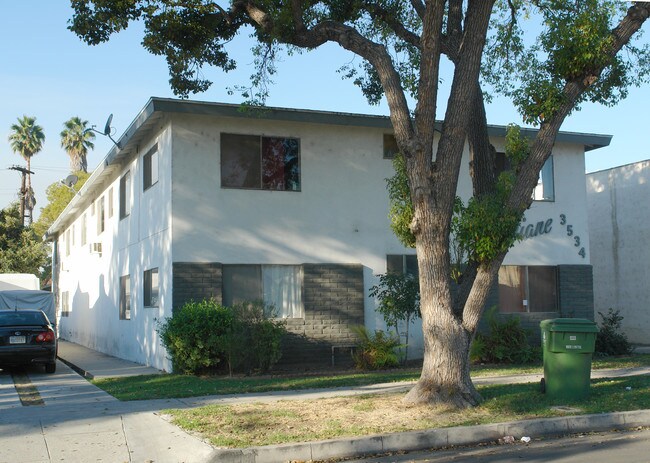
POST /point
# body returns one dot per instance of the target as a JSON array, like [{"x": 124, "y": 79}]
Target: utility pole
[{"x": 26, "y": 204}]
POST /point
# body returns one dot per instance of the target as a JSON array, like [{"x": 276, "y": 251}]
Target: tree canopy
[
  {"x": 21, "y": 250},
  {"x": 76, "y": 140},
  {"x": 58, "y": 197},
  {"x": 574, "y": 51}
]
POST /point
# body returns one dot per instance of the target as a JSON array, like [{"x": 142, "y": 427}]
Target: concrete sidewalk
[{"x": 92, "y": 364}]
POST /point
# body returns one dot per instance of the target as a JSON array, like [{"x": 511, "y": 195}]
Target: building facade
[
  {"x": 618, "y": 229},
  {"x": 288, "y": 206}
]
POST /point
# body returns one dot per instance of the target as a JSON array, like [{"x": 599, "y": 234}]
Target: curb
[
  {"x": 431, "y": 439},
  {"x": 80, "y": 371}
]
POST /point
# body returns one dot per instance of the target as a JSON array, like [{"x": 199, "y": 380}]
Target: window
[
  {"x": 545, "y": 189},
  {"x": 110, "y": 202},
  {"x": 125, "y": 297},
  {"x": 125, "y": 195},
  {"x": 402, "y": 263},
  {"x": 279, "y": 286},
  {"x": 65, "y": 304},
  {"x": 150, "y": 169},
  {"x": 73, "y": 233},
  {"x": 390, "y": 146},
  {"x": 84, "y": 235},
  {"x": 151, "y": 288},
  {"x": 264, "y": 163},
  {"x": 100, "y": 215},
  {"x": 67, "y": 242},
  {"x": 528, "y": 289}
]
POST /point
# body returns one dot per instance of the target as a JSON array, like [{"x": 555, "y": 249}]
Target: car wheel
[{"x": 50, "y": 367}]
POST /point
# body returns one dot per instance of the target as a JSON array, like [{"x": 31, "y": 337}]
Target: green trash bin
[{"x": 567, "y": 345}]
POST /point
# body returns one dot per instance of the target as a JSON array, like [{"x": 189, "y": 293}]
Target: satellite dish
[
  {"x": 107, "y": 127},
  {"x": 71, "y": 180}
]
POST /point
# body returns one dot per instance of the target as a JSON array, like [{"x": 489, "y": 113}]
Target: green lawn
[{"x": 179, "y": 386}]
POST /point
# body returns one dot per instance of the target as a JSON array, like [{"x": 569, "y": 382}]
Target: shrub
[
  {"x": 506, "y": 342},
  {"x": 399, "y": 300},
  {"x": 375, "y": 351},
  {"x": 609, "y": 340},
  {"x": 254, "y": 340},
  {"x": 195, "y": 336},
  {"x": 202, "y": 336}
]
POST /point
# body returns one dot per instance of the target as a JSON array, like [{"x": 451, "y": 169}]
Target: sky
[{"x": 48, "y": 73}]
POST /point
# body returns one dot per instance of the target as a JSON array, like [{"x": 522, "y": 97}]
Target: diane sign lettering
[{"x": 535, "y": 229}]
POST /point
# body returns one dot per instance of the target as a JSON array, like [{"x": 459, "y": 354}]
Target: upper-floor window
[
  {"x": 125, "y": 195},
  {"x": 100, "y": 215},
  {"x": 257, "y": 162},
  {"x": 110, "y": 202},
  {"x": 545, "y": 189},
  {"x": 67, "y": 242},
  {"x": 84, "y": 234},
  {"x": 390, "y": 146},
  {"x": 150, "y": 168}
]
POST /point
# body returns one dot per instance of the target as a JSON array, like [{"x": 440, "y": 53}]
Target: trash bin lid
[{"x": 574, "y": 325}]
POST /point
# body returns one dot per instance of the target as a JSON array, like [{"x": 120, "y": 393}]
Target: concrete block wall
[
  {"x": 332, "y": 297},
  {"x": 195, "y": 281},
  {"x": 576, "y": 290}
]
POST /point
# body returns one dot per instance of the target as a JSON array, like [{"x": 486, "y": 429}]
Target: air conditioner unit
[{"x": 96, "y": 248}]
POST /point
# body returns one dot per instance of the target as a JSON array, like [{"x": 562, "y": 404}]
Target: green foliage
[
  {"x": 401, "y": 206},
  {"x": 58, "y": 197},
  {"x": 375, "y": 351},
  {"x": 201, "y": 337},
  {"x": 253, "y": 339},
  {"x": 574, "y": 43},
  {"x": 610, "y": 340},
  {"x": 76, "y": 140},
  {"x": 485, "y": 228},
  {"x": 399, "y": 298},
  {"x": 506, "y": 342},
  {"x": 196, "y": 336},
  {"x": 26, "y": 137},
  {"x": 21, "y": 249}
]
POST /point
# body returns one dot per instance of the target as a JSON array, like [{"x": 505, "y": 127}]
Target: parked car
[{"x": 27, "y": 337}]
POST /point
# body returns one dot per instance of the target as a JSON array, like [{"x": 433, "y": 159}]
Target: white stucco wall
[
  {"x": 130, "y": 246},
  {"x": 620, "y": 231},
  {"x": 340, "y": 214},
  {"x": 557, "y": 247}
]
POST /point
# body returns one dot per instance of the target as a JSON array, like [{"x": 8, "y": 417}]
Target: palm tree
[
  {"x": 26, "y": 138},
  {"x": 76, "y": 140}
]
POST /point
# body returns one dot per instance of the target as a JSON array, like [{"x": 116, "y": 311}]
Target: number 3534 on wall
[{"x": 571, "y": 233}]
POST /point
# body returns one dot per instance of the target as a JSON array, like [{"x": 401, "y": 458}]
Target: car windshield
[{"x": 17, "y": 318}]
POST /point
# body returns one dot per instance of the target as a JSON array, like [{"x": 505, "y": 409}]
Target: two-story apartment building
[{"x": 287, "y": 206}]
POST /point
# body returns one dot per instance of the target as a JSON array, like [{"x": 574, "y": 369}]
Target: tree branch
[
  {"x": 418, "y": 6},
  {"x": 378, "y": 12},
  {"x": 520, "y": 198}
]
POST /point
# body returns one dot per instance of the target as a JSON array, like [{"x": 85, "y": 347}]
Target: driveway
[{"x": 61, "y": 417}]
